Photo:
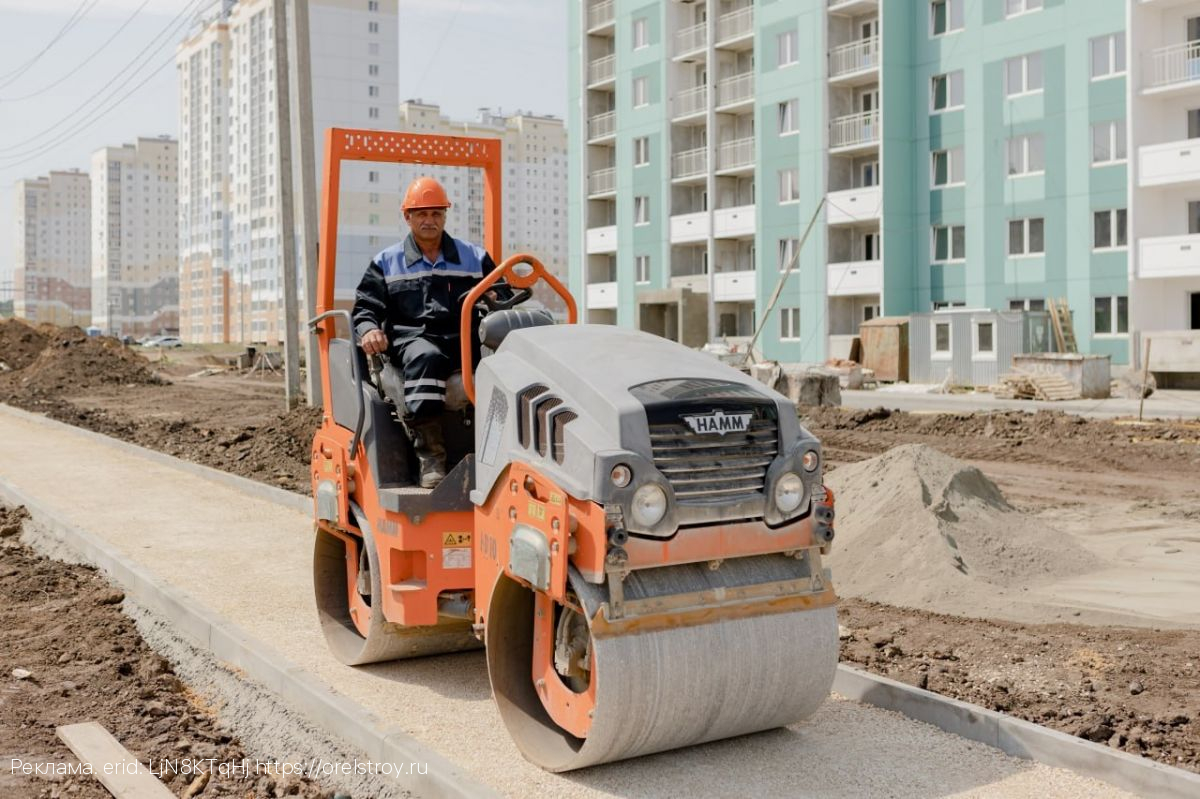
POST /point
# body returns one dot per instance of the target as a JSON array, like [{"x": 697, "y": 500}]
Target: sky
[{"x": 78, "y": 75}]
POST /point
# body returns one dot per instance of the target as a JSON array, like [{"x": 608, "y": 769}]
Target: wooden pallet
[{"x": 1024, "y": 385}]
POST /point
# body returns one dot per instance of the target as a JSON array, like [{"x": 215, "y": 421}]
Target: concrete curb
[
  {"x": 301, "y": 503},
  {"x": 338, "y": 716},
  {"x": 1019, "y": 738}
]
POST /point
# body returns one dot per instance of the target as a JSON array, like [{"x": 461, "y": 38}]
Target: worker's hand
[{"x": 374, "y": 342}]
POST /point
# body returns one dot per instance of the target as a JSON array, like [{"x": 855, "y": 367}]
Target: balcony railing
[
  {"x": 602, "y": 181},
  {"x": 854, "y": 130},
  {"x": 602, "y": 125},
  {"x": 690, "y": 101},
  {"x": 735, "y": 24},
  {"x": 736, "y": 153},
  {"x": 689, "y": 39},
  {"x": 689, "y": 163},
  {"x": 854, "y": 57},
  {"x": 601, "y": 14},
  {"x": 602, "y": 69},
  {"x": 1179, "y": 63},
  {"x": 735, "y": 89}
]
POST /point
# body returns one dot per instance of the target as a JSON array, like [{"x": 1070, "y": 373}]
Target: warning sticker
[
  {"x": 456, "y": 540},
  {"x": 456, "y": 551}
]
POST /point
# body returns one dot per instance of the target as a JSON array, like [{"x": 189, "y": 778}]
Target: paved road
[
  {"x": 248, "y": 560},
  {"x": 1161, "y": 405}
]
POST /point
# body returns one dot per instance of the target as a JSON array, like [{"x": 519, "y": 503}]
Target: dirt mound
[
  {"x": 20, "y": 344},
  {"x": 919, "y": 529},
  {"x": 71, "y": 361}
]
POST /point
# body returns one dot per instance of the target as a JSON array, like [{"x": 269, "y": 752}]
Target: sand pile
[
  {"x": 920, "y": 529},
  {"x": 70, "y": 360}
]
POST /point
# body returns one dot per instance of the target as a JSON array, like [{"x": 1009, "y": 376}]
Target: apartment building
[
  {"x": 52, "y": 274},
  {"x": 1164, "y": 186},
  {"x": 135, "y": 224},
  {"x": 945, "y": 154},
  {"x": 230, "y": 231}
]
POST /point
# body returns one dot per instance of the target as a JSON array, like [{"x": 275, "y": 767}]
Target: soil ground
[{"x": 1133, "y": 685}]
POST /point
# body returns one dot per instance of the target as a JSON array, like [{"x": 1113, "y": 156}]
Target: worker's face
[{"x": 426, "y": 224}]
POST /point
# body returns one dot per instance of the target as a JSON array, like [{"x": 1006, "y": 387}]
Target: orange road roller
[{"x": 632, "y": 529}]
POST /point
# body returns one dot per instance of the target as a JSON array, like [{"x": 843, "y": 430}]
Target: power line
[
  {"x": 80, "y": 12},
  {"x": 83, "y": 63}
]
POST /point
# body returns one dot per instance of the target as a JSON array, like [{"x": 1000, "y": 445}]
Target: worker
[{"x": 407, "y": 309}]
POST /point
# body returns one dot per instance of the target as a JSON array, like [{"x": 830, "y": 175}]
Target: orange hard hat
[{"x": 425, "y": 193}]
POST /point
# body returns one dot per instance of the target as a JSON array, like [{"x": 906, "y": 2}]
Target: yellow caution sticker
[
  {"x": 456, "y": 551},
  {"x": 537, "y": 510}
]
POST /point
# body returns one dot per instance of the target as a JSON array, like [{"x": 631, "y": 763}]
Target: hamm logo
[{"x": 719, "y": 422}]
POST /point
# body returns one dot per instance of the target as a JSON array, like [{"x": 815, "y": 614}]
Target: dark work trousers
[{"x": 425, "y": 363}]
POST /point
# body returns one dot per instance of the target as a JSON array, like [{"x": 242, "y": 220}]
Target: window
[
  {"x": 947, "y": 167},
  {"x": 870, "y": 312},
  {"x": 945, "y": 16},
  {"x": 1013, "y": 8},
  {"x": 1027, "y": 305},
  {"x": 641, "y": 33},
  {"x": 1026, "y": 236},
  {"x": 789, "y": 46},
  {"x": 1108, "y": 142},
  {"x": 372, "y": 69},
  {"x": 641, "y": 151},
  {"x": 642, "y": 262},
  {"x": 372, "y": 5},
  {"x": 1108, "y": 229},
  {"x": 1111, "y": 316},
  {"x": 1193, "y": 212},
  {"x": 373, "y": 112},
  {"x": 1108, "y": 56},
  {"x": 1023, "y": 74},
  {"x": 372, "y": 27},
  {"x": 641, "y": 210},
  {"x": 868, "y": 172},
  {"x": 789, "y": 185},
  {"x": 1027, "y": 155},
  {"x": 372, "y": 177},
  {"x": 787, "y": 117},
  {"x": 982, "y": 335},
  {"x": 941, "y": 305},
  {"x": 372, "y": 91},
  {"x": 789, "y": 324},
  {"x": 941, "y": 339},
  {"x": 949, "y": 243},
  {"x": 641, "y": 92},
  {"x": 787, "y": 251},
  {"x": 946, "y": 91}
]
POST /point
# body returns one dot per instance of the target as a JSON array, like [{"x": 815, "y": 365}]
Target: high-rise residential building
[
  {"x": 135, "y": 228},
  {"x": 947, "y": 153},
  {"x": 534, "y": 193},
  {"x": 1164, "y": 186},
  {"x": 230, "y": 231},
  {"x": 52, "y": 274}
]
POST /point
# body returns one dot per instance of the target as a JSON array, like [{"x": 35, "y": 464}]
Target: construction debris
[{"x": 1042, "y": 386}]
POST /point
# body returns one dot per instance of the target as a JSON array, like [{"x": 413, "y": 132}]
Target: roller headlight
[
  {"x": 810, "y": 460},
  {"x": 621, "y": 475},
  {"x": 649, "y": 505},
  {"x": 789, "y": 490}
]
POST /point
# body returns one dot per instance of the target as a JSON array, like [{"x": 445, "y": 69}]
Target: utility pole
[
  {"x": 299, "y": 46},
  {"x": 286, "y": 207}
]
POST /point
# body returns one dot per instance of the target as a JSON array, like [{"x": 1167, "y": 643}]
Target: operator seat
[{"x": 498, "y": 324}]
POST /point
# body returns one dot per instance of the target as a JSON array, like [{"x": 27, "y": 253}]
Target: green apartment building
[{"x": 952, "y": 153}]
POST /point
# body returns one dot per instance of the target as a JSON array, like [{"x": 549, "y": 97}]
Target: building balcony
[
  {"x": 601, "y": 16},
  {"x": 602, "y": 295},
  {"x": 602, "y": 126},
  {"x": 602, "y": 182},
  {"x": 689, "y": 103},
  {"x": 854, "y": 206},
  {"x": 1170, "y": 164},
  {"x": 853, "y": 8},
  {"x": 690, "y": 42},
  {"x": 735, "y": 91},
  {"x": 736, "y": 28},
  {"x": 687, "y": 228},
  {"x": 855, "y": 132},
  {"x": 1172, "y": 69},
  {"x": 602, "y": 240},
  {"x": 602, "y": 71},
  {"x": 853, "y": 278},
  {"x": 736, "y": 157},
  {"x": 1169, "y": 256},
  {"x": 734, "y": 286},
  {"x": 855, "y": 63},
  {"x": 734, "y": 223},
  {"x": 690, "y": 164}
]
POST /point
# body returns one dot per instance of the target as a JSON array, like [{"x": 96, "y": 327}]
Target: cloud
[
  {"x": 508, "y": 9},
  {"x": 103, "y": 9}
]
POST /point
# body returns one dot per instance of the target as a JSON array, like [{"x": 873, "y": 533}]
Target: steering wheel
[{"x": 519, "y": 296}]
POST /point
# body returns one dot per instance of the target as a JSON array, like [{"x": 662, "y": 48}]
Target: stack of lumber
[{"x": 1042, "y": 386}]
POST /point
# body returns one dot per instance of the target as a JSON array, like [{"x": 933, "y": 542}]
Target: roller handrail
[
  {"x": 505, "y": 270},
  {"x": 358, "y": 383}
]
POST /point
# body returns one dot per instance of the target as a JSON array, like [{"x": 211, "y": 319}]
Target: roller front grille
[{"x": 708, "y": 468}]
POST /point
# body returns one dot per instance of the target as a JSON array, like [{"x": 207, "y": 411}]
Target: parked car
[{"x": 164, "y": 341}]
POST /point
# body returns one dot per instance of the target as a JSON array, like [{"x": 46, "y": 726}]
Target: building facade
[
  {"x": 899, "y": 157},
  {"x": 52, "y": 274},
  {"x": 135, "y": 224}
]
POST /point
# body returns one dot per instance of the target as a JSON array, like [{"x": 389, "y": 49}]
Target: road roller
[{"x": 632, "y": 529}]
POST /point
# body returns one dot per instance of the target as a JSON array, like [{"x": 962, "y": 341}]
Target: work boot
[{"x": 430, "y": 446}]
